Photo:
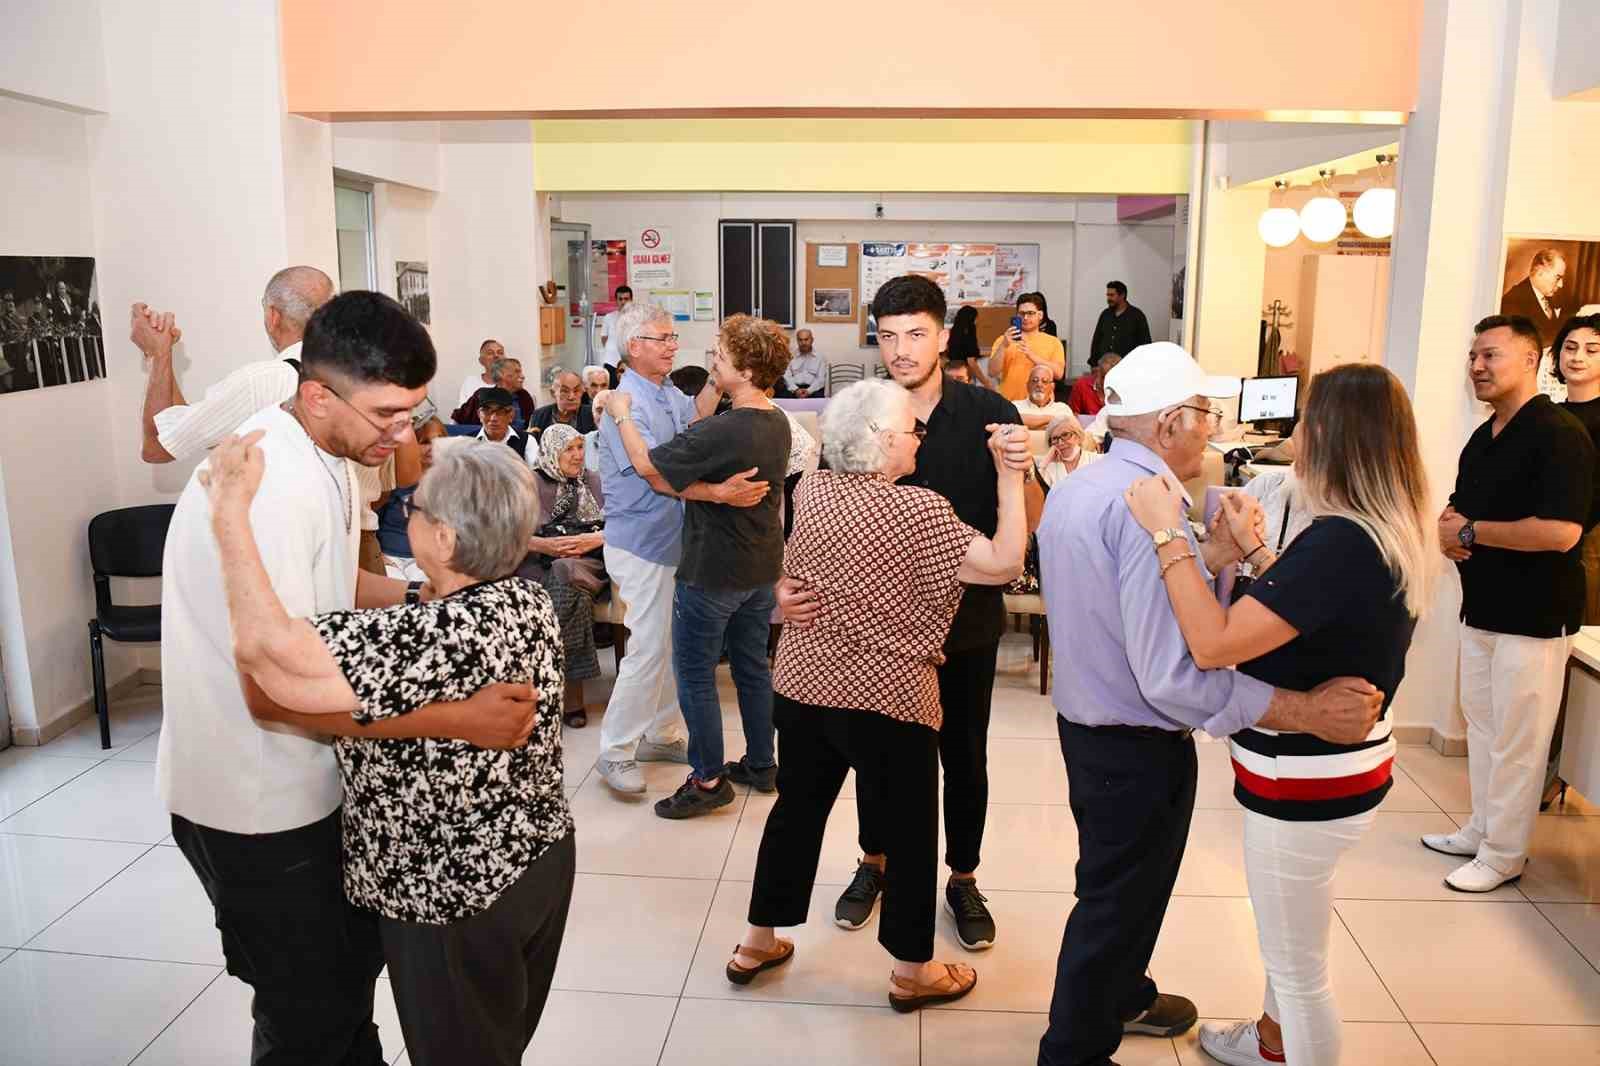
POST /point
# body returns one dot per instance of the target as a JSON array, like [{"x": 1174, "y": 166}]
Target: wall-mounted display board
[
  {"x": 832, "y": 271},
  {"x": 978, "y": 274}
]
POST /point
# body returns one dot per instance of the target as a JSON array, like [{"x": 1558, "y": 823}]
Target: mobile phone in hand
[{"x": 1016, "y": 323}]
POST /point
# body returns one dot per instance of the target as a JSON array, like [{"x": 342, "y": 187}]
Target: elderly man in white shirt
[
  {"x": 175, "y": 430},
  {"x": 490, "y": 352},
  {"x": 808, "y": 372},
  {"x": 1041, "y": 407}
]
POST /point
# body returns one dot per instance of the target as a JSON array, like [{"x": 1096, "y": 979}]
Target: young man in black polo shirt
[
  {"x": 952, "y": 461},
  {"x": 1522, "y": 499}
]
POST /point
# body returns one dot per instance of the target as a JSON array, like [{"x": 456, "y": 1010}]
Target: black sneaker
[
  {"x": 691, "y": 800},
  {"x": 740, "y": 773},
  {"x": 974, "y": 923},
  {"x": 1167, "y": 1016},
  {"x": 857, "y": 902}
]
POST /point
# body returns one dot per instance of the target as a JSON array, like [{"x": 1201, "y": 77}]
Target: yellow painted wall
[{"x": 864, "y": 155}]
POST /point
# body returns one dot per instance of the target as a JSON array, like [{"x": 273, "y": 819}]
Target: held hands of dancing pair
[{"x": 1237, "y": 531}]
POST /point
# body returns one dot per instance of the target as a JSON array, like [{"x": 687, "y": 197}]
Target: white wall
[
  {"x": 50, "y": 51},
  {"x": 1258, "y": 150},
  {"x": 404, "y": 152},
  {"x": 402, "y": 229},
  {"x": 1140, "y": 256}
]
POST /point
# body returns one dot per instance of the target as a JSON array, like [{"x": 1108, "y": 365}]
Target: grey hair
[
  {"x": 632, "y": 320},
  {"x": 497, "y": 366},
  {"x": 484, "y": 492},
  {"x": 297, "y": 292},
  {"x": 851, "y": 422},
  {"x": 590, "y": 371}
]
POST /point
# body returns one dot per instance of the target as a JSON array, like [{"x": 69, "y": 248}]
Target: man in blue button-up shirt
[
  {"x": 1129, "y": 695},
  {"x": 644, "y": 529}
]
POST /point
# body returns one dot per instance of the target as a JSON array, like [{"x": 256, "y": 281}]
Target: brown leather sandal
[
  {"x": 768, "y": 960},
  {"x": 957, "y": 980}
]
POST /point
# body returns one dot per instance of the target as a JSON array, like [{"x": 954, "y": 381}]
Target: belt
[{"x": 1149, "y": 731}]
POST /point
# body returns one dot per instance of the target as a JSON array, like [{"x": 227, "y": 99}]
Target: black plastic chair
[{"x": 127, "y": 542}]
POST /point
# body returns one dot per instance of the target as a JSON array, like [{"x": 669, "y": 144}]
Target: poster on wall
[
  {"x": 679, "y": 303},
  {"x": 411, "y": 288},
  {"x": 50, "y": 328},
  {"x": 608, "y": 269},
  {"x": 970, "y": 274},
  {"x": 1548, "y": 280},
  {"x": 650, "y": 264},
  {"x": 705, "y": 305},
  {"x": 831, "y": 303}
]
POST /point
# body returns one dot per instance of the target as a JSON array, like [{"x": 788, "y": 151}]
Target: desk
[{"x": 1580, "y": 751}]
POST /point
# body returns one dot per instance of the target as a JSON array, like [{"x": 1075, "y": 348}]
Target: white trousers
[
  {"x": 1289, "y": 866},
  {"x": 644, "y": 701},
  {"x": 1510, "y": 697}
]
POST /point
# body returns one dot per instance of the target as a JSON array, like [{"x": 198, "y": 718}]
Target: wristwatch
[
  {"x": 413, "y": 593},
  {"x": 1162, "y": 537},
  {"x": 1468, "y": 534}
]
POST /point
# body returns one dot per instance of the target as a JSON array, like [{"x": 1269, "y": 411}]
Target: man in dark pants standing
[
  {"x": 1129, "y": 698},
  {"x": 255, "y": 807},
  {"x": 952, "y": 461}
]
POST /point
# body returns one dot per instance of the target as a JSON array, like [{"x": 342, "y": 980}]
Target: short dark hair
[
  {"x": 909, "y": 294},
  {"x": 1520, "y": 326},
  {"x": 622, "y": 289},
  {"x": 1571, "y": 326},
  {"x": 689, "y": 379},
  {"x": 1122, "y": 290},
  {"x": 370, "y": 339},
  {"x": 1034, "y": 298}
]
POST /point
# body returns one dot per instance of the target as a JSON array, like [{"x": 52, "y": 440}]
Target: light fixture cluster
[{"x": 1323, "y": 217}]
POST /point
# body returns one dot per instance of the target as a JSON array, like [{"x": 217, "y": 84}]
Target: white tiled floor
[{"x": 117, "y": 960}]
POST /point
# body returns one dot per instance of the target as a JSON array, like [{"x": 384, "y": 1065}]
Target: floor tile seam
[
  {"x": 89, "y": 840},
  {"x": 120, "y": 958},
  {"x": 1393, "y": 999},
  {"x": 121, "y": 870},
  {"x": 174, "y": 1020},
  {"x": 53, "y": 791},
  {"x": 1562, "y": 933}
]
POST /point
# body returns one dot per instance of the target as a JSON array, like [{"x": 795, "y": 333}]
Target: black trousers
[
  {"x": 966, "y": 689},
  {"x": 470, "y": 993},
  {"x": 1132, "y": 795},
  {"x": 897, "y": 778},
  {"x": 291, "y": 935}
]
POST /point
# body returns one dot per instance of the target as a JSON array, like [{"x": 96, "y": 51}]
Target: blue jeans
[{"x": 703, "y": 620}]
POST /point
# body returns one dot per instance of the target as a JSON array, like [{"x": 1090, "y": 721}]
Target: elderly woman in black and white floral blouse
[{"x": 466, "y": 854}]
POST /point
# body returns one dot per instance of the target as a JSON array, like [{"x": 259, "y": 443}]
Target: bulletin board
[
  {"x": 831, "y": 293},
  {"x": 980, "y": 275}
]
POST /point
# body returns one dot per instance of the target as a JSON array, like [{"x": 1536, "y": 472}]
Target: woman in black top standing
[
  {"x": 963, "y": 347},
  {"x": 1342, "y": 600}
]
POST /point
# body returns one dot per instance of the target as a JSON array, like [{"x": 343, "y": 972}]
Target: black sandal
[{"x": 576, "y": 719}]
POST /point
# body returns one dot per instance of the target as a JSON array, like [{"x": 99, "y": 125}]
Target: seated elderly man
[
  {"x": 495, "y": 407},
  {"x": 595, "y": 381},
  {"x": 490, "y": 352},
  {"x": 1041, "y": 407},
  {"x": 508, "y": 375},
  {"x": 568, "y": 408}
]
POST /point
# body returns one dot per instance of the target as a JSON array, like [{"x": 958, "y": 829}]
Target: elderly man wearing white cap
[{"x": 1130, "y": 695}]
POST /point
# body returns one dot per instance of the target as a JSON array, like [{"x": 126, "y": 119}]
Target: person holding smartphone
[
  {"x": 1342, "y": 600},
  {"x": 1023, "y": 347}
]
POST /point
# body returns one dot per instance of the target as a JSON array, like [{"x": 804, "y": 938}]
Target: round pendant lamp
[
  {"x": 1322, "y": 219},
  {"x": 1278, "y": 226}
]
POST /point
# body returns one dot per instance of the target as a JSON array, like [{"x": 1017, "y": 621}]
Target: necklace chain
[{"x": 347, "y": 496}]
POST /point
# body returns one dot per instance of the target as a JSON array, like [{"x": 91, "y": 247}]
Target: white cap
[{"x": 1156, "y": 376}]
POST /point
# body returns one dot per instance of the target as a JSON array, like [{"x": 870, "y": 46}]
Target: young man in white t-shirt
[
  {"x": 255, "y": 805},
  {"x": 611, "y": 354}
]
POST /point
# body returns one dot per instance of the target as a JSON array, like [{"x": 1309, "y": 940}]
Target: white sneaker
[
  {"x": 1237, "y": 1044},
  {"x": 1449, "y": 844},
  {"x": 623, "y": 775},
  {"x": 1477, "y": 876},
  {"x": 672, "y": 751}
]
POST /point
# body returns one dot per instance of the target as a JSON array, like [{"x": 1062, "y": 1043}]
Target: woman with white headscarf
[{"x": 564, "y": 555}]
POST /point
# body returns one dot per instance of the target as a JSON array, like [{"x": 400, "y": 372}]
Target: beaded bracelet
[{"x": 1174, "y": 561}]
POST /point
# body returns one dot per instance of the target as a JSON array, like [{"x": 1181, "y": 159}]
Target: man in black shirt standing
[
  {"x": 910, "y": 312},
  {"x": 1122, "y": 327},
  {"x": 1523, "y": 495}
]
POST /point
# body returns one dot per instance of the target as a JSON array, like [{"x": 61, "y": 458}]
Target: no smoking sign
[{"x": 650, "y": 239}]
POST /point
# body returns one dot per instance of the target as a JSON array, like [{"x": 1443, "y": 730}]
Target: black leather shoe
[{"x": 1167, "y": 1016}]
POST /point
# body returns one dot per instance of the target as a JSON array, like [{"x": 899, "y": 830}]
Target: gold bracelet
[{"x": 1174, "y": 561}]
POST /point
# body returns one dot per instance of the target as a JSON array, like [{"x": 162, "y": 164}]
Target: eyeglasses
[
  {"x": 1062, "y": 438},
  {"x": 409, "y": 506},
  {"x": 1029, "y": 314},
  {"x": 665, "y": 338},
  {"x": 1211, "y": 413},
  {"x": 397, "y": 425},
  {"x": 918, "y": 431}
]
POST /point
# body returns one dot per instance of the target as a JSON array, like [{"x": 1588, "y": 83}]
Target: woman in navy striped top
[{"x": 1343, "y": 599}]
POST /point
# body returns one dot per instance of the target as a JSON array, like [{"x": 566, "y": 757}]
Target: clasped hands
[
  {"x": 153, "y": 332},
  {"x": 1450, "y": 526},
  {"x": 1236, "y": 530}
]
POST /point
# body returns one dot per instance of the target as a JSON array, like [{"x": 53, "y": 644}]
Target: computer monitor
[{"x": 1264, "y": 400}]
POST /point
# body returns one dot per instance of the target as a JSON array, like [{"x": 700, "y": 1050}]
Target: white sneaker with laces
[
  {"x": 1449, "y": 844},
  {"x": 672, "y": 751},
  {"x": 1477, "y": 876},
  {"x": 1237, "y": 1044},
  {"x": 623, "y": 775}
]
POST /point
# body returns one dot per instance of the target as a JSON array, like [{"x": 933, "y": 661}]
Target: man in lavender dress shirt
[{"x": 1130, "y": 695}]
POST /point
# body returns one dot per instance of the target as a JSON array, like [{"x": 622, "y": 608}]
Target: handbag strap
[{"x": 1283, "y": 531}]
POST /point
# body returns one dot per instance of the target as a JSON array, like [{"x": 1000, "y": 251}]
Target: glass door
[{"x": 570, "y": 255}]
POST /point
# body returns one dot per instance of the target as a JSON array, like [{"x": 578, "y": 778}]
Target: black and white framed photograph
[
  {"x": 411, "y": 287},
  {"x": 1548, "y": 280},
  {"x": 50, "y": 328},
  {"x": 831, "y": 303}
]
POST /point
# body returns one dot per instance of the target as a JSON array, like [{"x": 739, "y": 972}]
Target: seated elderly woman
[
  {"x": 857, "y": 686},
  {"x": 1070, "y": 449},
  {"x": 564, "y": 555},
  {"x": 411, "y": 461},
  {"x": 465, "y": 854}
]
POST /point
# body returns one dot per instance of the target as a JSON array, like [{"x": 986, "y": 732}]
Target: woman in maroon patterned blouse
[{"x": 857, "y": 687}]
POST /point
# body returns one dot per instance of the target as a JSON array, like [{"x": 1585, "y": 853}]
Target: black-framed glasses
[
  {"x": 397, "y": 425},
  {"x": 1212, "y": 413},
  {"x": 1061, "y": 438},
  {"x": 665, "y": 338},
  {"x": 918, "y": 431}
]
